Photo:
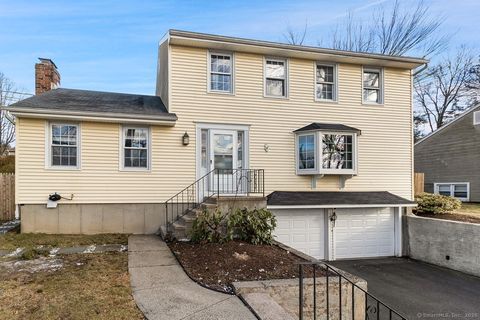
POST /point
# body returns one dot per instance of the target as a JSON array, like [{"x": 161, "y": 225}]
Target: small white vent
[{"x": 476, "y": 118}]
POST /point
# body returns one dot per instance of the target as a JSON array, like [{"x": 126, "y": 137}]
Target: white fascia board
[
  {"x": 94, "y": 118},
  {"x": 340, "y": 206}
]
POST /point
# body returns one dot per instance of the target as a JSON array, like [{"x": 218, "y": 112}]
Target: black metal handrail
[
  {"x": 371, "y": 305},
  {"x": 213, "y": 184}
]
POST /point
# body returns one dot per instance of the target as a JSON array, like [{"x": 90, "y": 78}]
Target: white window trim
[
  {"x": 452, "y": 189},
  {"x": 476, "y": 118},
  {"x": 121, "y": 163},
  {"x": 287, "y": 88},
  {"x": 48, "y": 146},
  {"x": 209, "y": 72},
  {"x": 381, "y": 84},
  {"x": 297, "y": 158},
  {"x": 319, "y": 154},
  {"x": 335, "y": 81}
]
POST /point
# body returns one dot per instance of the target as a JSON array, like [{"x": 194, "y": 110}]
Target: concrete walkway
[{"x": 162, "y": 290}]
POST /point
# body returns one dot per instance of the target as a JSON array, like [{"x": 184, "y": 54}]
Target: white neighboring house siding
[{"x": 384, "y": 148}]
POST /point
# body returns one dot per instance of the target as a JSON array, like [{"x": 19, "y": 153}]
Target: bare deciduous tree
[
  {"x": 439, "y": 92},
  {"x": 295, "y": 37},
  {"x": 392, "y": 31},
  {"x": 473, "y": 83},
  {"x": 8, "y": 94}
]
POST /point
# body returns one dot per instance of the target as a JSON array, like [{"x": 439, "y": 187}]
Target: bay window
[{"x": 320, "y": 149}]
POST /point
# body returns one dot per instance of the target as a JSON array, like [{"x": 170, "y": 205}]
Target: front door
[{"x": 224, "y": 159}]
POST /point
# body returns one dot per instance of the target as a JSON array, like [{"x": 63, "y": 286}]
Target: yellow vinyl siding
[{"x": 384, "y": 148}]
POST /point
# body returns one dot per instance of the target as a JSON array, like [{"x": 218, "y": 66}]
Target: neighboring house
[
  {"x": 10, "y": 152},
  {"x": 450, "y": 158},
  {"x": 331, "y": 129}
]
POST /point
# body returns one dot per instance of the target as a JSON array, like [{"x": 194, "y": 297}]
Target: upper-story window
[
  {"x": 275, "y": 77},
  {"x": 64, "y": 143},
  {"x": 372, "y": 85},
  {"x": 325, "y": 82},
  {"x": 136, "y": 146},
  {"x": 221, "y": 72},
  {"x": 476, "y": 117}
]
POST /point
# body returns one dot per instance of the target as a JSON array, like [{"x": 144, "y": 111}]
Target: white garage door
[
  {"x": 303, "y": 230},
  {"x": 361, "y": 233}
]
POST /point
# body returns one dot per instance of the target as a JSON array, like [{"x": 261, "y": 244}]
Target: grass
[
  {"x": 11, "y": 241},
  {"x": 469, "y": 208},
  {"x": 88, "y": 286}
]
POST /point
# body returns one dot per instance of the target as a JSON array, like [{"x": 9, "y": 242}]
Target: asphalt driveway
[{"x": 417, "y": 289}]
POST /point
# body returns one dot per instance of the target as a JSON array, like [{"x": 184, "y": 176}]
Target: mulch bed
[
  {"x": 216, "y": 266},
  {"x": 451, "y": 216}
]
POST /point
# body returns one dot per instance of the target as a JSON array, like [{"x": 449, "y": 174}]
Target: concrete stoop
[{"x": 265, "y": 307}]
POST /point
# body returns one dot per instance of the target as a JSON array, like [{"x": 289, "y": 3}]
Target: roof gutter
[
  {"x": 203, "y": 37},
  {"x": 339, "y": 206},
  {"x": 167, "y": 120}
]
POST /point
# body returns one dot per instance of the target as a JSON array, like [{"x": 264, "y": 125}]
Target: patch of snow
[
  {"x": 90, "y": 249},
  {"x": 54, "y": 252},
  {"x": 17, "y": 252},
  {"x": 123, "y": 248},
  {"x": 32, "y": 266}
]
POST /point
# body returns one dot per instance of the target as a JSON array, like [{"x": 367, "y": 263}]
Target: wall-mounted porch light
[{"x": 186, "y": 139}]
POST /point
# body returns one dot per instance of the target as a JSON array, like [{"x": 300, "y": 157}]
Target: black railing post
[
  {"x": 314, "y": 292},
  {"x": 218, "y": 184},
  {"x": 340, "y": 296},
  {"x": 328, "y": 293},
  {"x": 353, "y": 302},
  {"x": 300, "y": 300}
]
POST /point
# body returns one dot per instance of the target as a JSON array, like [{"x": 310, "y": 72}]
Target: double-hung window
[
  {"x": 136, "y": 144},
  {"x": 221, "y": 73},
  {"x": 459, "y": 190},
  {"x": 276, "y": 77},
  {"x": 64, "y": 145},
  {"x": 325, "y": 82},
  {"x": 372, "y": 85}
]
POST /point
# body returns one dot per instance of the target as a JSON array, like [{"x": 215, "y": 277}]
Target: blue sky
[{"x": 112, "y": 45}]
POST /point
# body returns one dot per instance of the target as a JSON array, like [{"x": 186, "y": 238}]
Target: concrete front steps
[{"x": 180, "y": 229}]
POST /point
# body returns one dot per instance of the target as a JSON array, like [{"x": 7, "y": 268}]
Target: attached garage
[
  {"x": 339, "y": 225},
  {"x": 303, "y": 230}
]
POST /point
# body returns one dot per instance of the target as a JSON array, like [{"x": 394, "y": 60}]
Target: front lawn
[
  {"x": 77, "y": 286},
  {"x": 469, "y": 208},
  {"x": 11, "y": 241},
  {"x": 218, "y": 265}
]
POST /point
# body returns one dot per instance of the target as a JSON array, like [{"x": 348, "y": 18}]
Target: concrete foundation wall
[
  {"x": 451, "y": 244},
  {"x": 138, "y": 218}
]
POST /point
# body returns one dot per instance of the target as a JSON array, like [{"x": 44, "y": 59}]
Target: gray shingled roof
[
  {"x": 328, "y": 127},
  {"x": 85, "y": 101},
  {"x": 332, "y": 198}
]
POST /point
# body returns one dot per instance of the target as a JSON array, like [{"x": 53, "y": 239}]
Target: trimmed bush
[
  {"x": 255, "y": 226},
  {"x": 436, "y": 203},
  {"x": 209, "y": 226}
]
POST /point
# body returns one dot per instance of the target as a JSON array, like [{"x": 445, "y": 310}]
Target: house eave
[
  {"x": 340, "y": 206},
  {"x": 209, "y": 41},
  {"x": 167, "y": 120}
]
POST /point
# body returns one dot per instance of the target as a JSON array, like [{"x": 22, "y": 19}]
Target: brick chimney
[{"x": 46, "y": 76}]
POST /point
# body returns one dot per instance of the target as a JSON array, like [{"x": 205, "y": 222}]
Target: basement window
[{"x": 459, "y": 190}]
